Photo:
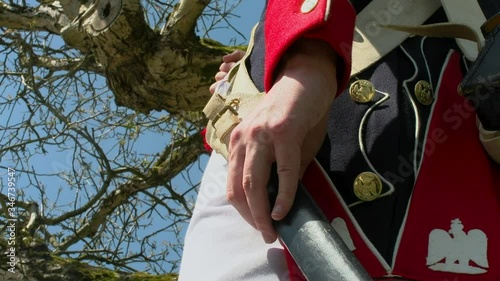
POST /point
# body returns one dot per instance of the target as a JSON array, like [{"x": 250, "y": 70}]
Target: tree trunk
[{"x": 146, "y": 70}]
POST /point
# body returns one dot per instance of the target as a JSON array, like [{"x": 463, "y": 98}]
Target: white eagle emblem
[{"x": 453, "y": 250}]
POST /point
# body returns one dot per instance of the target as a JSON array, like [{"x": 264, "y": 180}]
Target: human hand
[
  {"x": 287, "y": 127},
  {"x": 228, "y": 61}
]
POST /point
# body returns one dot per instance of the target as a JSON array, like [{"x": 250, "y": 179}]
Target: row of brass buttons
[
  {"x": 367, "y": 185},
  {"x": 363, "y": 91}
]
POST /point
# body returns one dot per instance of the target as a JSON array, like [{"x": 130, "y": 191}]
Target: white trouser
[{"x": 219, "y": 244}]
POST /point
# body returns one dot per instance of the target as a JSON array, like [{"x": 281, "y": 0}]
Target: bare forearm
[{"x": 310, "y": 65}]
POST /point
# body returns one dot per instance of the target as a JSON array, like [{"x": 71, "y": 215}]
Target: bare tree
[{"x": 100, "y": 139}]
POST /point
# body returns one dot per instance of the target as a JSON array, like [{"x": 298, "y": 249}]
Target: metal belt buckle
[{"x": 232, "y": 106}]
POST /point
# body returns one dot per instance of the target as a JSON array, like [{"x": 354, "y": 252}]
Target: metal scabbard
[{"x": 314, "y": 244}]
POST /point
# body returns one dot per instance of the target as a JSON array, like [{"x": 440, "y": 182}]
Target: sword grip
[{"x": 314, "y": 244}]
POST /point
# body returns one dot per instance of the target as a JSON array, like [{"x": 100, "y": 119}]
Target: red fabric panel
[{"x": 456, "y": 181}]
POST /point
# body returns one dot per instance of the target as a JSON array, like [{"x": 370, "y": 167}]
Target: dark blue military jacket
[{"x": 392, "y": 140}]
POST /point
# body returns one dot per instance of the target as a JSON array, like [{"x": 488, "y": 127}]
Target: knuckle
[
  {"x": 247, "y": 183},
  {"x": 288, "y": 170},
  {"x": 223, "y": 66},
  {"x": 284, "y": 168},
  {"x": 235, "y": 136},
  {"x": 261, "y": 134},
  {"x": 233, "y": 197},
  {"x": 230, "y": 197},
  {"x": 280, "y": 126},
  {"x": 255, "y": 131},
  {"x": 260, "y": 220},
  {"x": 219, "y": 75}
]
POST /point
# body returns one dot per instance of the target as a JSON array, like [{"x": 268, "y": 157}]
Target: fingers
[
  {"x": 235, "y": 56},
  {"x": 288, "y": 164},
  {"x": 248, "y": 173},
  {"x": 250, "y": 160},
  {"x": 212, "y": 88},
  {"x": 218, "y": 77},
  {"x": 228, "y": 61},
  {"x": 255, "y": 177},
  {"x": 225, "y": 67},
  {"x": 234, "y": 190}
]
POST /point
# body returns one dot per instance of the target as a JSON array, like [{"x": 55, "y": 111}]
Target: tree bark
[{"x": 146, "y": 70}]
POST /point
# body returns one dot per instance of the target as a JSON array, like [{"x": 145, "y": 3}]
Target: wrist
[
  {"x": 309, "y": 53},
  {"x": 310, "y": 57}
]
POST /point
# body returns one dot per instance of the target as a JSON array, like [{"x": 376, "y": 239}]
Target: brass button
[
  {"x": 367, "y": 186},
  {"x": 362, "y": 91},
  {"x": 423, "y": 91},
  {"x": 308, "y": 6}
]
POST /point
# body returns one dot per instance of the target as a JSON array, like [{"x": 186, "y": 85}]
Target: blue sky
[{"x": 248, "y": 13}]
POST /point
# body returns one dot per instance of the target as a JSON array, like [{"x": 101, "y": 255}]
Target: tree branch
[
  {"x": 33, "y": 220},
  {"x": 51, "y": 18},
  {"x": 42, "y": 18},
  {"x": 176, "y": 157},
  {"x": 182, "y": 21},
  {"x": 71, "y": 64}
]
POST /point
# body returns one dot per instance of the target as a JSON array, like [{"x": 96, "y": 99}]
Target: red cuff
[
  {"x": 203, "y": 134},
  {"x": 285, "y": 23}
]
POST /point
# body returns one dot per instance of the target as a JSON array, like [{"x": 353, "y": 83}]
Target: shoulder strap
[
  {"x": 469, "y": 40},
  {"x": 467, "y": 13},
  {"x": 381, "y": 27},
  {"x": 372, "y": 41}
]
